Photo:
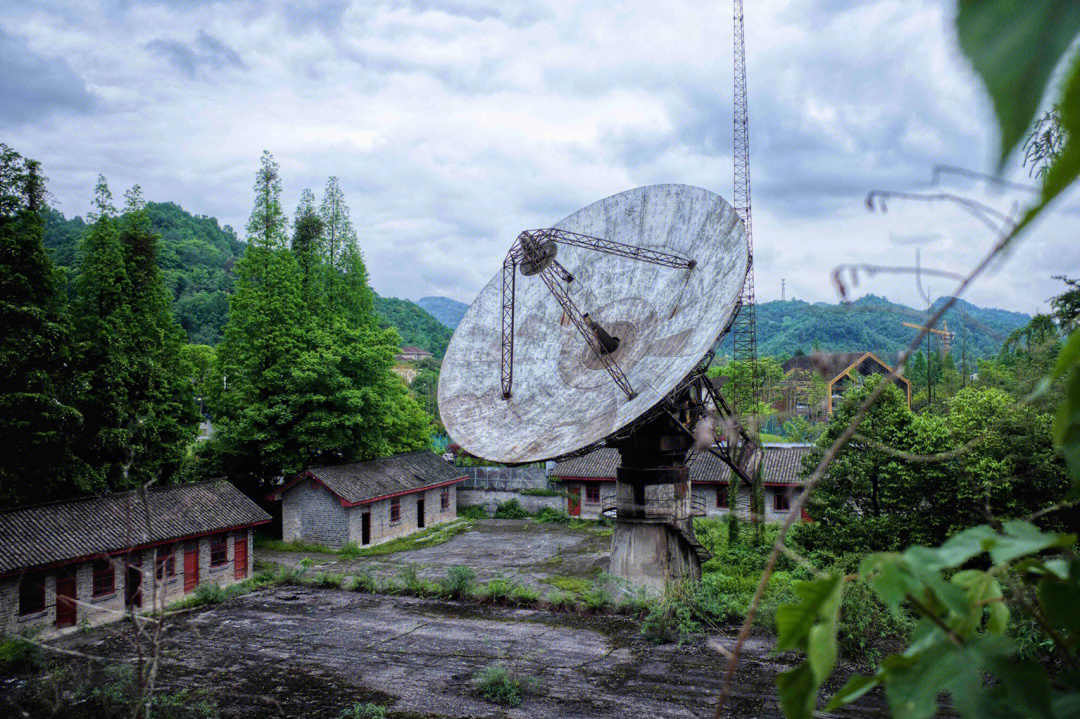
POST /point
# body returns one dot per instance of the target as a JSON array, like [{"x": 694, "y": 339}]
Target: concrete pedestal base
[{"x": 651, "y": 554}]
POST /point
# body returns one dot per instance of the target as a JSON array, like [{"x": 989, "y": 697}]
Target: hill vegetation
[
  {"x": 416, "y": 327},
  {"x": 444, "y": 309}
]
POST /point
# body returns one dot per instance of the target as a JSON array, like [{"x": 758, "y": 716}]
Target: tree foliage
[{"x": 305, "y": 370}]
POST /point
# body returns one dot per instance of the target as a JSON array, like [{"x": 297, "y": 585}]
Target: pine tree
[
  {"x": 162, "y": 414},
  {"x": 267, "y": 226},
  {"x": 307, "y": 247},
  {"x": 36, "y": 418},
  {"x": 103, "y": 322},
  {"x": 337, "y": 225}
]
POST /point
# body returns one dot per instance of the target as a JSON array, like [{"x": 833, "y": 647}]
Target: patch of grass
[
  {"x": 573, "y": 585},
  {"x": 596, "y": 599},
  {"x": 496, "y": 591},
  {"x": 362, "y": 582},
  {"x": 511, "y": 509},
  {"x": 328, "y": 580},
  {"x": 560, "y": 600},
  {"x": 439, "y": 534},
  {"x": 503, "y": 686},
  {"x": 363, "y": 710},
  {"x": 413, "y": 584},
  {"x": 460, "y": 582},
  {"x": 473, "y": 512},
  {"x": 19, "y": 654},
  {"x": 208, "y": 594},
  {"x": 525, "y": 595}
]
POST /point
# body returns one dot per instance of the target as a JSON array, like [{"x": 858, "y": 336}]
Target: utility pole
[{"x": 783, "y": 290}]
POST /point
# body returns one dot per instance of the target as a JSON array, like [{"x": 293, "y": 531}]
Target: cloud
[
  {"x": 454, "y": 125},
  {"x": 192, "y": 59},
  {"x": 35, "y": 87}
]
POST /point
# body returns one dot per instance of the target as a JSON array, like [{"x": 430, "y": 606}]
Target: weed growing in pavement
[
  {"x": 363, "y": 710},
  {"x": 460, "y": 582},
  {"x": 503, "y": 686}
]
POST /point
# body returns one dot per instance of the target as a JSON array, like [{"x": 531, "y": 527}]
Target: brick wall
[
  {"x": 311, "y": 513},
  {"x": 382, "y": 529},
  {"x": 708, "y": 493},
  {"x": 92, "y": 611}
]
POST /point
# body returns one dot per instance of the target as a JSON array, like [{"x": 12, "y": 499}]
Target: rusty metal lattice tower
[{"x": 744, "y": 331}]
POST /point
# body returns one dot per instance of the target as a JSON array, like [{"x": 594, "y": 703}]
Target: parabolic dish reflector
[{"x": 666, "y": 318}]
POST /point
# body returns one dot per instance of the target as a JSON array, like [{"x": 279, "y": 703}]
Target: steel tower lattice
[{"x": 744, "y": 330}]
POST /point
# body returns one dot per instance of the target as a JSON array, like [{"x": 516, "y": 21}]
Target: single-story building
[
  {"x": 588, "y": 478},
  {"x": 89, "y": 561},
  {"x": 412, "y": 354},
  {"x": 369, "y": 502}
]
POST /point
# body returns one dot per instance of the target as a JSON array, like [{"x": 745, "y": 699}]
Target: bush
[
  {"x": 498, "y": 684},
  {"x": 17, "y": 653},
  {"x": 472, "y": 511},
  {"x": 867, "y": 625},
  {"x": 510, "y": 509},
  {"x": 497, "y": 590},
  {"x": 460, "y": 582},
  {"x": 363, "y": 710},
  {"x": 413, "y": 584},
  {"x": 547, "y": 515}
]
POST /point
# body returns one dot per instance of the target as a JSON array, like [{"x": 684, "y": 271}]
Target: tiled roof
[
  {"x": 414, "y": 350},
  {"x": 782, "y": 464},
  {"x": 829, "y": 366},
  {"x": 363, "y": 481},
  {"x": 59, "y": 532}
]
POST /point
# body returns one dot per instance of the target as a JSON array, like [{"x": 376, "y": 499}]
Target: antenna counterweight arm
[{"x": 610, "y": 247}]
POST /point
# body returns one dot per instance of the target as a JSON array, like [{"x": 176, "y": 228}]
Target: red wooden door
[
  {"x": 66, "y": 613},
  {"x": 573, "y": 501},
  {"x": 191, "y": 566},
  {"x": 240, "y": 555}
]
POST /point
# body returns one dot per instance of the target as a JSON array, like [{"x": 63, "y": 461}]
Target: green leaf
[
  {"x": 890, "y": 576},
  {"x": 821, "y": 650},
  {"x": 1022, "y": 538},
  {"x": 793, "y": 621},
  {"x": 1067, "y": 418},
  {"x": 798, "y": 692},
  {"x": 965, "y": 545},
  {"x": 1061, "y": 602},
  {"x": 856, "y": 686},
  {"x": 1025, "y": 686},
  {"x": 1014, "y": 47}
]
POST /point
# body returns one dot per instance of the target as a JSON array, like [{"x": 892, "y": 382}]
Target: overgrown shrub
[
  {"x": 548, "y": 515},
  {"x": 511, "y": 509},
  {"x": 460, "y": 582},
  {"x": 497, "y": 590},
  {"x": 472, "y": 511},
  {"x": 867, "y": 626},
  {"x": 17, "y": 653}
]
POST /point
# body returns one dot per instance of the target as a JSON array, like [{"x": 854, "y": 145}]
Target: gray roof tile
[
  {"x": 782, "y": 464},
  {"x": 58, "y": 532},
  {"x": 364, "y": 481}
]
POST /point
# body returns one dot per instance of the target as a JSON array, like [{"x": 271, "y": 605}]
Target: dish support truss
[{"x": 535, "y": 249}]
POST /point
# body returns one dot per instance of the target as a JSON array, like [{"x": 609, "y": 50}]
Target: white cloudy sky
[{"x": 454, "y": 125}]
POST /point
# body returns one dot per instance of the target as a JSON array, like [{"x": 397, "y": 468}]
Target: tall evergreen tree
[
  {"x": 268, "y": 225},
  {"x": 305, "y": 374},
  {"x": 336, "y": 223},
  {"x": 36, "y": 418},
  {"x": 103, "y": 322},
  {"x": 341, "y": 252},
  {"x": 162, "y": 412}
]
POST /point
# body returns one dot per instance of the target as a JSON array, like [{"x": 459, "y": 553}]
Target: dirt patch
[{"x": 306, "y": 652}]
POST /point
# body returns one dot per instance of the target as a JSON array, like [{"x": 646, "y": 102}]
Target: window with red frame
[
  {"x": 444, "y": 499},
  {"x": 104, "y": 578},
  {"x": 592, "y": 492},
  {"x": 219, "y": 550},
  {"x": 781, "y": 500},
  {"x": 395, "y": 509},
  {"x": 721, "y": 497},
  {"x": 165, "y": 562},
  {"x": 31, "y": 593}
]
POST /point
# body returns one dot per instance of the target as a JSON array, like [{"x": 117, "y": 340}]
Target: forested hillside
[
  {"x": 444, "y": 309},
  {"x": 196, "y": 258},
  {"x": 873, "y": 323},
  {"x": 416, "y": 327}
]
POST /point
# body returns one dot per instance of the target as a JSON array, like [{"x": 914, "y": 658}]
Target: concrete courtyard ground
[
  {"x": 303, "y": 651},
  {"x": 514, "y": 548}
]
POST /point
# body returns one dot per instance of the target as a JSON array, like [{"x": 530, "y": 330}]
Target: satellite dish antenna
[{"x": 598, "y": 330}]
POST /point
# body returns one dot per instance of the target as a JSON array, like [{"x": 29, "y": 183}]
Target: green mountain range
[{"x": 870, "y": 323}]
